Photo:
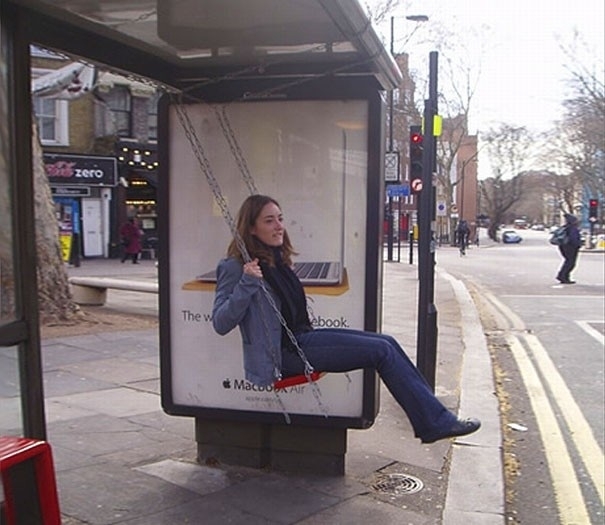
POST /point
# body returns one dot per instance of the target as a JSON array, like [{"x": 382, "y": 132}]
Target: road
[{"x": 547, "y": 342}]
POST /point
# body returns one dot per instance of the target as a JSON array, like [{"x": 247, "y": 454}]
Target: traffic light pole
[{"x": 427, "y": 312}]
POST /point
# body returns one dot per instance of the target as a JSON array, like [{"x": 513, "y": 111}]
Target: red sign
[{"x": 416, "y": 185}]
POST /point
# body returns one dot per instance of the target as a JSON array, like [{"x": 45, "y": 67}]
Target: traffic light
[
  {"x": 593, "y": 208},
  {"x": 416, "y": 154}
]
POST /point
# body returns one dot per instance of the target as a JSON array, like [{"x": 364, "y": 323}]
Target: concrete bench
[{"x": 92, "y": 291}]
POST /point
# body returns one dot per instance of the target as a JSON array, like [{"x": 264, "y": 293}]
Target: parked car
[{"x": 511, "y": 237}]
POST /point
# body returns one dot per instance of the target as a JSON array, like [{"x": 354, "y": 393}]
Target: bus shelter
[{"x": 283, "y": 98}]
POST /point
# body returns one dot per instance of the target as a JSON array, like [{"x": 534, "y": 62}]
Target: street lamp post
[{"x": 411, "y": 18}]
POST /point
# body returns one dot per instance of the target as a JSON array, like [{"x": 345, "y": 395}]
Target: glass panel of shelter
[{"x": 10, "y": 392}]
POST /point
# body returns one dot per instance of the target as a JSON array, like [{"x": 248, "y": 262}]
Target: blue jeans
[{"x": 343, "y": 350}]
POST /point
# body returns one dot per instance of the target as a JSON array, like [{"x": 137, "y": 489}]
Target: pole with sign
[
  {"x": 391, "y": 176},
  {"x": 427, "y": 312}
]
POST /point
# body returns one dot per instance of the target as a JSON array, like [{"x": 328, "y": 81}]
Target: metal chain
[
  {"x": 222, "y": 203},
  {"x": 235, "y": 149}
]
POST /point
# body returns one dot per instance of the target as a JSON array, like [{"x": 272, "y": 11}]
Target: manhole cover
[{"x": 397, "y": 484}]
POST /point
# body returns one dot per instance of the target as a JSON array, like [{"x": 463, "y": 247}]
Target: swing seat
[{"x": 297, "y": 380}]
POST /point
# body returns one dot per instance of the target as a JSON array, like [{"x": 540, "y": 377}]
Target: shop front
[
  {"x": 138, "y": 190},
  {"x": 82, "y": 189}
]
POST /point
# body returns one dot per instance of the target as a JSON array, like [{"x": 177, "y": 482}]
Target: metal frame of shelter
[
  {"x": 328, "y": 43},
  {"x": 320, "y": 87}
]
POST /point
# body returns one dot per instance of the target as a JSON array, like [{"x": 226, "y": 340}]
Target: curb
[{"x": 476, "y": 461}]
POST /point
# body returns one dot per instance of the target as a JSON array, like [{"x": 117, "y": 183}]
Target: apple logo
[{"x": 226, "y": 383}]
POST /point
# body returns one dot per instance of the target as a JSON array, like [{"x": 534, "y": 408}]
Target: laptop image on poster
[{"x": 309, "y": 273}]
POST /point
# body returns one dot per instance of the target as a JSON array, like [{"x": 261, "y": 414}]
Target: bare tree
[
  {"x": 583, "y": 128},
  {"x": 575, "y": 148},
  {"x": 588, "y": 90},
  {"x": 379, "y": 11},
  {"x": 458, "y": 80},
  {"x": 564, "y": 191},
  {"x": 508, "y": 151}
]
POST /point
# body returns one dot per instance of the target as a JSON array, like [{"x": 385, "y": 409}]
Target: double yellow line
[{"x": 533, "y": 361}]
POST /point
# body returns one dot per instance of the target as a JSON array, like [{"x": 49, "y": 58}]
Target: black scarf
[{"x": 291, "y": 293}]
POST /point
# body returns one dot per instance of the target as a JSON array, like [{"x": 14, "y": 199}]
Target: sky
[{"x": 522, "y": 78}]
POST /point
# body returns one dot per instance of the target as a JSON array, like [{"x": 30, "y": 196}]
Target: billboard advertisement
[{"x": 312, "y": 157}]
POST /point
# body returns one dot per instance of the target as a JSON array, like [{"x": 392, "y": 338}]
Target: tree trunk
[
  {"x": 55, "y": 301},
  {"x": 492, "y": 231}
]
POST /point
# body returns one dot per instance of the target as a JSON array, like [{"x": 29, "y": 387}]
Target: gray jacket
[{"x": 240, "y": 301}]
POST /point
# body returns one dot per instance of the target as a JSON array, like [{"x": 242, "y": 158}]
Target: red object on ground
[{"x": 28, "y": 479}]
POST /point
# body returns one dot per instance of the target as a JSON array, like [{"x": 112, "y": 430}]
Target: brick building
[{"x": 100, "y": 153}]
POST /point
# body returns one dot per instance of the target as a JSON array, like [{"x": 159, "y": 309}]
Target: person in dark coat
[
  {"x": 569, "y": 249},
  {"x": 131, "y": 235},
  {"x": 463, "y": 233}
]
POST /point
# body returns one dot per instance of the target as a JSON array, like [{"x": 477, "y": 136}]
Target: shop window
[{"x": 120, "y": 103}]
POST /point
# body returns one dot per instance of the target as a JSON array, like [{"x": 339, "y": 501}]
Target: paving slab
[
  {"x": 105, "y": 494},
  {"x": 119, "y": 370},
  {"x": 116, "y": 402}
]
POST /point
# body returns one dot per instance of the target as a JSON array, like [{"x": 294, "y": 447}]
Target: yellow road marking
[
  {"x": 570, "y": 502},
  {"x": 581, "y": 433}
]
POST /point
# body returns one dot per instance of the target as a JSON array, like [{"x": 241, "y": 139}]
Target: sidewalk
[{"x": 120, "y": 459}]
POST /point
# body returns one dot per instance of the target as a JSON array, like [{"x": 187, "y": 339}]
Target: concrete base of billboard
[{"x": 285, "y": 448}]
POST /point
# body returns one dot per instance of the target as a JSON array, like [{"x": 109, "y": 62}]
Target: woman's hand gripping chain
[{"x": 253, "y": 268}]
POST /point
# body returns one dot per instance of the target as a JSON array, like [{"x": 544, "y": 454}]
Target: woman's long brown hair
[{"x": 246, "y": 219}]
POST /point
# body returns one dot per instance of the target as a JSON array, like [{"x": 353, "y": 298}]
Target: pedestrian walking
[
  {"x": 462, "y": 234},
  {"x": 131, "y": 235},
  {"x": 569, "y": 248}
]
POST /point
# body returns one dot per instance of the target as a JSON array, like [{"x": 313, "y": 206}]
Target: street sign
[
  {"x": 398, "y": 190},
  {"x": 391, "y": 167},
  {"x": 441, "y": 209},
  {"x": 416, "y": 185}
]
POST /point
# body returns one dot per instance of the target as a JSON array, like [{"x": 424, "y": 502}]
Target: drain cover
[{"x": 397, "y": 484}]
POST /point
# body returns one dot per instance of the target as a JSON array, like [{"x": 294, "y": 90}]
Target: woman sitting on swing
[{"x": 240, "y": 301}]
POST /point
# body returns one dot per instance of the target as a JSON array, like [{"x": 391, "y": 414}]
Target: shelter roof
[{"x": 177, "y": 41}]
